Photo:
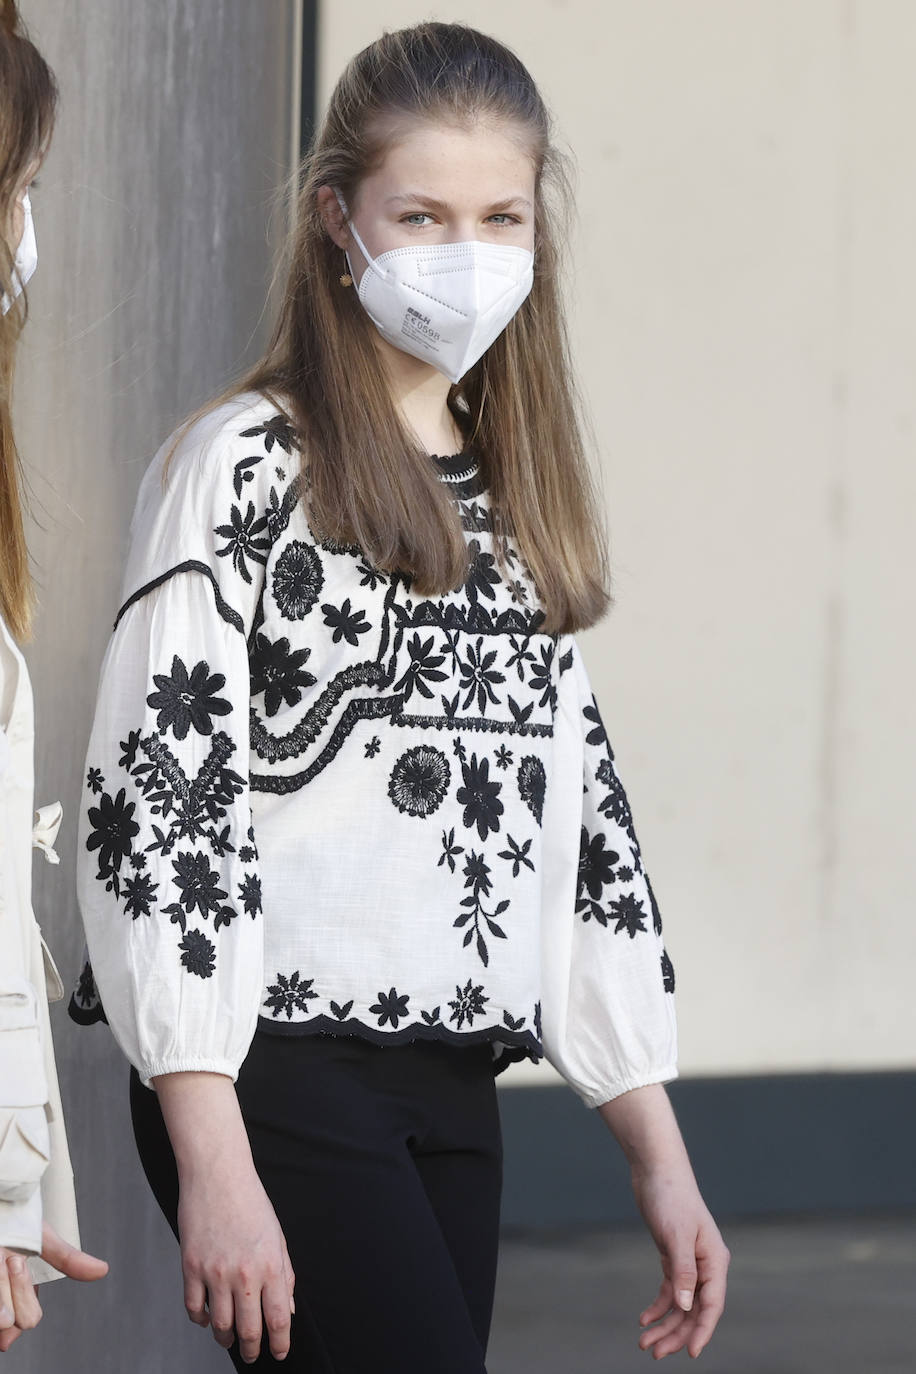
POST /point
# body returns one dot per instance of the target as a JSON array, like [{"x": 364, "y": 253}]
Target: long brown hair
[
  {"x": 28, "y": 100},
  {"x": 369, "y": 482}
]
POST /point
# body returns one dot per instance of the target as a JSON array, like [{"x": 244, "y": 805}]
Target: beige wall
[{"x": 743, "y": 297}]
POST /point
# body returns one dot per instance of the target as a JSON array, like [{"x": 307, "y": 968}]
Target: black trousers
[{"x": 384, "y": 1167}]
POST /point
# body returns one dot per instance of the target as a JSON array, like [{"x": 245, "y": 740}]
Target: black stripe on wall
[{"x": 783, "y": 1144}]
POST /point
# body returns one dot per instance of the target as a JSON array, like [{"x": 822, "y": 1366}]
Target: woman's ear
[{"x": 332, "y": 217}]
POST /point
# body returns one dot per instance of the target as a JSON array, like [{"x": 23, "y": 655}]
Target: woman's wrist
[
  {"x": 204, "y": 1122},
  {"x": 646, "y": 1129}
]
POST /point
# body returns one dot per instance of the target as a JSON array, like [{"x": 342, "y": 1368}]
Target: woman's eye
[
  {"x": 417, "y": 220},
  {"x": 503, "y": 219}
]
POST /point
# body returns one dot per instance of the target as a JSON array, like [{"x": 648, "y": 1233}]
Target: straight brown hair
[
  {"x": 28, "y": 102},
  {"x": 369, "y": 482}
]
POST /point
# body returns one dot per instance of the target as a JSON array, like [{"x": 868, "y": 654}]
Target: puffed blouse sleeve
[
  {"x": 607, "y": 1011},
  {"x": 168, "y": 873}
]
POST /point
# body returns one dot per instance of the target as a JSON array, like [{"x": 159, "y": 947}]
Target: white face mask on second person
[
  {"x": 444, "y": 303},
  {"x": 26, "y": 257}
]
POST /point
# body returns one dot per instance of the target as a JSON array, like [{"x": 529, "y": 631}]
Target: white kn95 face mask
[
  {"x": 444, "y": 303},
  {"x": 26, "y": 258}
]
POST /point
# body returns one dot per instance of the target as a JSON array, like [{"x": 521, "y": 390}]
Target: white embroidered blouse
[{"x": 317, "y": 801}]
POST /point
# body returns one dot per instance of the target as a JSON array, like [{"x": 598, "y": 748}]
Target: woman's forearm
[
  {"x": 646, "y": 1129},
  {"x": 204, "y": 1121}
]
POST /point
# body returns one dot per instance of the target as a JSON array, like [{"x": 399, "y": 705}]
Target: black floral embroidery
[
  {"x": 94, "y": 781},
  {"x": 193, "y": 807},
  {"x": 369, "y": 576},
  {"x": 419, "y": 780},
  {"x": 597, "y": 734},
  {"x": 596, "y": 871},
  {"x": 198, "y": 884},
  {"x": 532, "y": 785},
  {"x": 185, "y": 699},
  {"x": 667, "y": 972},
  {"x": 250, "y": 894},
  {"x": 290, "y": 994},
  {"x": 483, "y": 575},
  {"x": 130, "y": 747},
  {"x": 431, "y": 1017},
  {"x": 479, "y": 797},
  {"x": 475, "y": 916},
  {"x": 139, "y": 895},
  {"x": 390, "y": 1008},
  {"x": 517, "y": 855},
  {"x": 245, "y": 539},
  {"x": 278, "y": 673},
  {"x": 468, "y": 1003},
  {"x": 247, "y": 853},
  {"x": 276, "y": 430},
  {"x": 537, "y": 1021},
  {"x": 513, "y": 1023},
  {"x": 199, "y": 955},
  {"x": 503, "y": 757},
  {"x": 113, "y": 831},
  {"x": 297, "y": 580},
  {"x": 342, "y": 1012},
  {"x": 541, "y": 679},
  {"x": 478, "y": 677},
  {"x": 424, "y": 667},
  {"x": 653, "y": 904},
  {"x": 345, "y": 622},
  {"x": 629, "y": 913},
  {"x": 372, "y": 747},
  {"x": 450, "y": 850}
]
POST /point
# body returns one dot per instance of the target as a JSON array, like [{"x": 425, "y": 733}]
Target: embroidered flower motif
[
  {"x": 86, "y": 991},
  {"x": 369, "y": 576},
  {"x": 391, "y": 1008},
  {"x": 245, "y": 539},
  {"x": 431, "y": 1017},
  {"x": 247, "y": 853},
  {"x": 629, "y": 914},
  {"x": 199, "y": 956},
  {"x": 250, "y": 894},
  {"x": 513, "y": 1023},
  {"x": 198, "y": 884},
  {"x": 541, "y": 678},
  {"x": 130, "y": 747},
  {"x": 532, "y": 785},
  {"x": 346, "y": 623},
  {"x": 185, "y": 699},
  {"x": 596, "y": 864},
  {"x": 278, "y": 673},
  {"x": 341, "y": 1012},
  {"x": 422, "y": 669},
  {"x": 483, "y": 574},
  {"x": 113, "y": 830},
  {"x": 474, "y": 918},
  {"x": 450, "y": 850},
  {"x": 276, "y": 430},
  {"x": 480, "y": 797},
  {"x": 94, "y": 781},
  {"x": 372, "y": 747},
  {"x": 290, "y": 994},
  {"x": 656, "y": 914},
  {"x": 478, "y": 676},
  {"x": 625, "y": 874},
  {"x": 667, "y": 972},
  {"x": 458, "y": 749},
  {"x": 597, "y": 734},
  {"x": 517, "y": 855},
  {"x": 139, "y": 895},
  {"x": 419, "y": 780},
  {"x": 138, "y": 861},
  {"x": 469, "y": 1002},
  {"x": 297, "y": 580},
  {"x": 503, "y": 757}
]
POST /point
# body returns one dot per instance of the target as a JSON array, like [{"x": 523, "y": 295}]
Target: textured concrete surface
[{"x": 805, "y": 1297}]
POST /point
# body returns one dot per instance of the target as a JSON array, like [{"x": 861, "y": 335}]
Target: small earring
[{"x": 346, "y": 279}]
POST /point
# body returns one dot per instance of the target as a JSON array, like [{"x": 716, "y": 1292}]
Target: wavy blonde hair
[
  {"x": 28, "y": 102},
  {"x": 369, "y": 482}
]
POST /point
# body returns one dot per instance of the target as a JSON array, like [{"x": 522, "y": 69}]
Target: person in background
[
  {"x": 353, "y": 836},
  {"x": 37, "y": 1206}
]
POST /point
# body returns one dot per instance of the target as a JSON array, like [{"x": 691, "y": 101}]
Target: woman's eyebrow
[{"x": 442, "y": 207}]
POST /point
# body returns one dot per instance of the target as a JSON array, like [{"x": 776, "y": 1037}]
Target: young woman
[
  {"x": 353, "y": 836},
  {"x": 31, "y": 1124}
]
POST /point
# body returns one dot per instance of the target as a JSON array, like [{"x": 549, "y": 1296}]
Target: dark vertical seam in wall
[{"x": 309, "y": 58}]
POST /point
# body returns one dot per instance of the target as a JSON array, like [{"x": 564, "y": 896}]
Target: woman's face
[{"x": 442, "y": 184}]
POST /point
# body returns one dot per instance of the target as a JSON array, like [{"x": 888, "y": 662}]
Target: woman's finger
[
  {"x": 277, "y": 1307},
  {"x": 662, "y": 1304},
  {"x": 12, "y": 1333},
  {"x": 195, "y": 1300},
  {"x": 710, "y": 1305},
  {"x": 290, "y": 1279},
  {"x": 25, "y": 1299},
  {"x": 662, "y": 1330},
  {"x": 76, "y": 1264},
  {"x": 7, "y": 1315},
  {"x": 222, "y": 1313},
  {"x": 247, "y": 1304}
]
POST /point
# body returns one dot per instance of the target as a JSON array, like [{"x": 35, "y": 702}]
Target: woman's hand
[
  {"x": 20, "y": 1309},
  {"x": 694, "y": 1263},
  {"x": 234, "y": 1258},
  {"x": 694, "y": 1256}
]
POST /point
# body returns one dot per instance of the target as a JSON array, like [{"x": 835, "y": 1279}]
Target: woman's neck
[{"x": 420, "y": 395}]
